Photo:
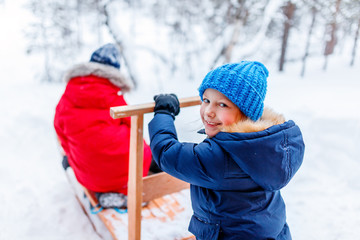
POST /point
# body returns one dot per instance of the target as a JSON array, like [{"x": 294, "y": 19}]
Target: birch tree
[
  {"x": 355, "y": 46},
  {"x": 314, "y": 12}
]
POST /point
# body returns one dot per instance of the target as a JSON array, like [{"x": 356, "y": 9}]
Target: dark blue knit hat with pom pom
[{"x": 108, "y": 54}]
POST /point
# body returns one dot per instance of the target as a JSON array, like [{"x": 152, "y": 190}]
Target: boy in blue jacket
[{"x": 236, "y": 173}]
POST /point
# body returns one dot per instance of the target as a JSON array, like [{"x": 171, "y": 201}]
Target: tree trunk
[
  {"x": 120, "y": 44},
  {"x": 314, "y": 13},
  {"x": 355, "y": 44},
  {"x": 227, "y": 50},
  {"x": 78, "y": 24},
  {"x": 330, "y": 44},
  {"x": 233, "y": 40},
  {"x": 99, "y": 21},
  {"x": 289, "y": 14}
]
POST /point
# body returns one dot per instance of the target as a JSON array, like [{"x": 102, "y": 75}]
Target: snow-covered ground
[{"x": 322, "y": 200}]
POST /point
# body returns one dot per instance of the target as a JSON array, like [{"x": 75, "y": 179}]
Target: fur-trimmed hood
[
  {"x": 100, "y": 70},
  {"x": 269, "y": 150},
  {"x": 269, "y": 118}
]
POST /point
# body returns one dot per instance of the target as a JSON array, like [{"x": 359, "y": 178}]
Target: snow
[
  {"x": 322, "y": 200},
  {"x": 13, "y": 45}
]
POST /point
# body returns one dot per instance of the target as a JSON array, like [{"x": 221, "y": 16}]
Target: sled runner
[
  {"x": 167, "y": 215},
  {"x": 158, "y": 205}
]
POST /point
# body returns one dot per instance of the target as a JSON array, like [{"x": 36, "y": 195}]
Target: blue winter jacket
[{"x": 234, "y": 178}]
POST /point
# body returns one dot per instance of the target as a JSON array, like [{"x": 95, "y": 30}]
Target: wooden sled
[
  {"x": 167, "y": 210},
  {"x": 160, "y": 189}
]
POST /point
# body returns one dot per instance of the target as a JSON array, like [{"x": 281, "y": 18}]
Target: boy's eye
[
  {"x": 223, "y": 105},
  {"x": 206, "y": 100}
]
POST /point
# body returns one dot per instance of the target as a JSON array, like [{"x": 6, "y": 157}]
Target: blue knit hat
[
  {"x": 243, "y": 83},
  {"x": 108, "y": 54}
]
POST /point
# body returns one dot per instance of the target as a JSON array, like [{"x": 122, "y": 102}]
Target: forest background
[{"x": 184, "y": 39}]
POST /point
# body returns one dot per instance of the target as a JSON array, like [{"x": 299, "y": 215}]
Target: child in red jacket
[{"x": 97, "y": 146}]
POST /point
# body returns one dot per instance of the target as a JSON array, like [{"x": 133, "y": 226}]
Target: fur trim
[
  {"x": 100, "y": 70},
  {"x": 269, "y": 118}
]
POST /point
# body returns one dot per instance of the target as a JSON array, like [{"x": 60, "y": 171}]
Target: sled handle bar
[{"x": 130, "y": 110}]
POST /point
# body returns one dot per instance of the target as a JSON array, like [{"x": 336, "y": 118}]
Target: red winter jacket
[{"x": 97, "y": 146}]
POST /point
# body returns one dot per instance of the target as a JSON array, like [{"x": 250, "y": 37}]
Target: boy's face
[{"x": 218, "y": 111}]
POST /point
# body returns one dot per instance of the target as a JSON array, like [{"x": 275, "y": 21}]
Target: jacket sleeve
[
  {"x": 190, "y": 162},
  {"x": 62, "y": 140}
]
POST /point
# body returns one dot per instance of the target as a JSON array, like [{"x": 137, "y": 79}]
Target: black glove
[{"x": 167, "y": 103}]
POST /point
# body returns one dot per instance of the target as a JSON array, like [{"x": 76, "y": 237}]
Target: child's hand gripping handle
[{"x": 167, "y": 103}]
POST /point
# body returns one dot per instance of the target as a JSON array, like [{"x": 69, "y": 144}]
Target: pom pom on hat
[
  {"x": 243, "y": 83},
  {"x": 108, "y": 54}
]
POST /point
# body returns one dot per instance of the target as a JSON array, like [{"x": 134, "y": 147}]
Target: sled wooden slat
[
  {"x": 135, "y": 185},
  {"x": 154, "y": 186},
  {"x": 158, "y": 185},
  {"x": 94, "y": 203}
]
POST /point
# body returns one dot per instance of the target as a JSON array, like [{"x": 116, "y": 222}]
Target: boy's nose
[{"x": 209, "y": 112}]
